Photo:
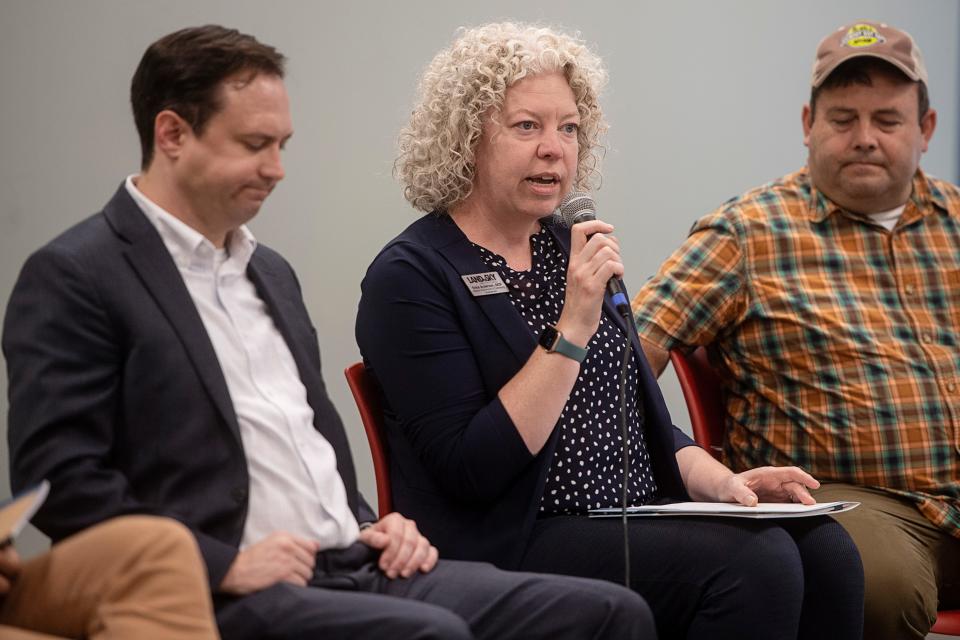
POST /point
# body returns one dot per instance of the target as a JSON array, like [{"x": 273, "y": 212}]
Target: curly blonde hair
[{"x": 437, "y": 148}]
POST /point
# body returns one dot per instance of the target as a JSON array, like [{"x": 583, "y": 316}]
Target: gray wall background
[{"x": 704, "y": 102}]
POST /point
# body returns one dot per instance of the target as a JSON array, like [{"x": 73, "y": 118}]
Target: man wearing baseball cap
[{"x": 830, "y": 302}]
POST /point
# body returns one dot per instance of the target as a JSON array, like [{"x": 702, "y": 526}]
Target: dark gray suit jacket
[{"x": 116, "y": 394}]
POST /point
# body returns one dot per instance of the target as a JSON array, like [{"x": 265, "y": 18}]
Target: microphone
[{"x": 577, "y": 207}]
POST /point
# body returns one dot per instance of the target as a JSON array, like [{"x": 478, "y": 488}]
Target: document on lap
[
  {"x": 16, "y": 512},
  {"x": 762, "y": 510}
]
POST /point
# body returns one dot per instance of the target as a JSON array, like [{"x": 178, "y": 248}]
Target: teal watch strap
[{"x": 552, "y": 340}]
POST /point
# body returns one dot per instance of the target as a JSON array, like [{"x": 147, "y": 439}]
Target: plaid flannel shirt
[{"x": 839, "y": 340}]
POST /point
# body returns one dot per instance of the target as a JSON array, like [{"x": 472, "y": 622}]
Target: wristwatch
[{"x": 552, "y": 340}]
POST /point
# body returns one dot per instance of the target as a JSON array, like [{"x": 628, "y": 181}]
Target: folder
[{"x": 762, "y": 510}]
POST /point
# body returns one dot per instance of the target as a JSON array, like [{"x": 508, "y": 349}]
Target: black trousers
[
  {"x": 350, "y": 598},
  {"x": 716, "y": 578}
]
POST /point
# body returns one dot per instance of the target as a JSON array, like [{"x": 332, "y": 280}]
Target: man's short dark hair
[
  {"x": 183, "y": 71},
  {"x": 857, "y": 71}
]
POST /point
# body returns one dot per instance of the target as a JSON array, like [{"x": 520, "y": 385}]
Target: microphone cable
[
  {"x": 576, "y": 207},
  {"x": 625, "y": 434}
]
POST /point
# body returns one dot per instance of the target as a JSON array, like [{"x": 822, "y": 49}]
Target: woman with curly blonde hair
[
  {"x": 499, "y": 355},
  {"x": 466, "y": 82}
]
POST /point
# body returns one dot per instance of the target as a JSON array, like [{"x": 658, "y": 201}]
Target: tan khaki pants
[
  {"x": 132, "y": 577},
  {"x": 911, "y": 568}
]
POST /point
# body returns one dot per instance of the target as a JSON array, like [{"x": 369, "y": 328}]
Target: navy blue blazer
[
  {"x": 458, "y": 465},
  {"x": 116, "y": 394}
]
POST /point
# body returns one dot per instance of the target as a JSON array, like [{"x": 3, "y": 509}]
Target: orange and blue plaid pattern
[{"x": 839, "y": 339}]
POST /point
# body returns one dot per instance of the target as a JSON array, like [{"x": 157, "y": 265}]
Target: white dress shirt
[{"x": 294, "y": 482}]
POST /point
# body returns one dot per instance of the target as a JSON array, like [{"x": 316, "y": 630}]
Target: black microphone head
[{"x": 577, "y": 206}]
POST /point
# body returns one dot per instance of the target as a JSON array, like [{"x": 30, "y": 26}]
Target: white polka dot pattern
[{"x": 587, "y": 468}]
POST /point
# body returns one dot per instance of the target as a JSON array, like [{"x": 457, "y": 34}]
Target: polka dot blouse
[{"x": 587, "y": 468}]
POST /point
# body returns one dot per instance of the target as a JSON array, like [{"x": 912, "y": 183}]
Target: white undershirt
[
  {"x": 888, "y": 219},
  {"x": 294, "y": 482}
]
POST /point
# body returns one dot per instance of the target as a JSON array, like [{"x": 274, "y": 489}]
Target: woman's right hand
[
  {"x": 534, "y": 398},
  {"x": 593, "y": 262}
]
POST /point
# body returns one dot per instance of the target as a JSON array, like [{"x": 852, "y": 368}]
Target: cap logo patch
[{"x": 862, "y": 35}]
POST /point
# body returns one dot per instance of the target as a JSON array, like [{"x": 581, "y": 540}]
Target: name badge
[{"x": 484, "y": 284}]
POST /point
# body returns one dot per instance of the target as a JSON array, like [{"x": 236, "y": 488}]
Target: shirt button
[
  {"x": 909, "y": 289},
  {"x": 239, "y": 494},
  {"x": 951, "y": 386},
  {"x": 926, "y": 337}
]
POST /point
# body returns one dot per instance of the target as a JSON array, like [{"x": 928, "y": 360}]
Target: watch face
[{"x": 548, "y": 338}]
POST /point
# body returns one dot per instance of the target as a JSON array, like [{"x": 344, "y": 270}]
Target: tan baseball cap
[{"x": 874, "y": 39}]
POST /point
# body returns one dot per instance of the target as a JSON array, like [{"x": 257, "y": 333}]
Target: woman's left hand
[{"x": 768, "y": 484}]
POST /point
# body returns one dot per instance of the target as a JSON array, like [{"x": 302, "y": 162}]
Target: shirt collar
[
  {"x": 925, "y": 197},
  {"x": 926, "y": 191},
  {"x": 188, "y": 247}
]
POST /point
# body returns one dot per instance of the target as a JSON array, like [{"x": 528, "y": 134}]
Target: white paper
[
  {"x": 762, "y": 510},
  {"x": 17, "y": 511}
]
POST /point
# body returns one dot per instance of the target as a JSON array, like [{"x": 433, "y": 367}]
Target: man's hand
[
  {"x": 280, "y": 557},
  {"x": 9, "y": 567},
  {"x": 405, "y": 550},
  {"x": 769, "y": 484}
]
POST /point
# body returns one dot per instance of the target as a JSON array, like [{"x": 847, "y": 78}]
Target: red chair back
[
  {"x": 366, "y": 393},
  {"x": 948, "y": 623},
  {"x": 703, "y": 393}
]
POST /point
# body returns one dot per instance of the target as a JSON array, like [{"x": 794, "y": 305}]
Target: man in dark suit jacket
[{"x": 160, "y": 361}]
